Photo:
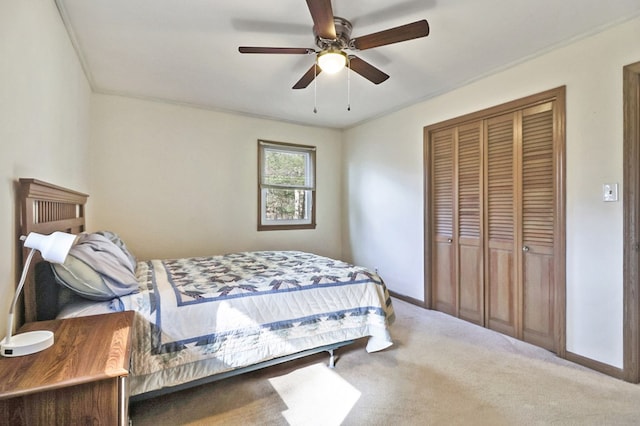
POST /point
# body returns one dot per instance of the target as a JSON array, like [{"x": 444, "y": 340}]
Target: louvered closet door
[
  {"x": 443, "y": 288},
  {"x": 469, "y": 221},
  {"x": 496, "y": 218},
  {"x": 500, "y": 209},
  {"x": 538, "y": 226}
]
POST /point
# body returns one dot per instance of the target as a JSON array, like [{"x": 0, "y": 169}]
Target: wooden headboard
[{"x": 45, "y": 208}]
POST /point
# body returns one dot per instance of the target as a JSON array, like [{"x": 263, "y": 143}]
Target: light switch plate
[{"x": 610, "y": 192}]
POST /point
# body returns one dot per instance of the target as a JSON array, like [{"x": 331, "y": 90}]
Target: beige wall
[
  {"x": 175, "y": 181},
  {"x": 44, "y": 117},
  {"x": 384, "y": 171}
]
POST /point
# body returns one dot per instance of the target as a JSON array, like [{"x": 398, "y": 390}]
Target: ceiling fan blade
[
  {"x": 285, "y": 50},
  {"x": 322, "y": 15},
  {"x": 307, "y": 77},
  {"x": 393, "y": 35},
  {"x": 367, "y": 70}
]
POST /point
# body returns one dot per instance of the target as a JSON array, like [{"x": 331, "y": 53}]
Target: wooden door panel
[
  {"x": 500, "y": 224},
  {"x": 469, "y": 180},
  {"x": 538, "y": 226},
  {"x": 469, "y": 223},
  {"x": 539, "y": 300},
  {"x": 444, "y": 285},
  {"x": 443, "y": 288},
  {"x": 471, "y": 281},
  {"x": 501, "y": 290}
]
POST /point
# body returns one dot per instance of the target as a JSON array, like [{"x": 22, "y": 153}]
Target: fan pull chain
[
  {"x": 348, "y": 84},
  {"x": 315, "y": 89}
]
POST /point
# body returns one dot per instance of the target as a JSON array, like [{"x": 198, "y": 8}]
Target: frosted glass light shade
[{"x": 332, "y": 61}]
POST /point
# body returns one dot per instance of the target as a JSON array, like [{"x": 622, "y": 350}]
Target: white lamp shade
[
  {"x": 53, "y": 247},
  {"x": 332, "y": 61}
]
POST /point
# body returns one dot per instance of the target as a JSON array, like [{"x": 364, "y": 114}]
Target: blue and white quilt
[{"x": 206, "y": 315}]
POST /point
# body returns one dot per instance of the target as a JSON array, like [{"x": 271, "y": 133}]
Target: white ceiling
[{"x": 186, "y": 51}]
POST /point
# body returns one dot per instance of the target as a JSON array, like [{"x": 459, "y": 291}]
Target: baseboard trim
[
  {"x": 408, "y": 299},
  {"x": 607, "y": 369}
]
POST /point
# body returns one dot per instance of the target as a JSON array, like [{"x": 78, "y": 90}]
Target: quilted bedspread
[{"x": 206, "y": 315}]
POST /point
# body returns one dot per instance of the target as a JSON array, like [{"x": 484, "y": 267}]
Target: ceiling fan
[{"x": 333, "y": 37}]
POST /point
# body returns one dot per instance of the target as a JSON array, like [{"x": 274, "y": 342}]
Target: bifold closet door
[
  {"x": 520, "y": 201},
  {"x": 469, "y": 222},
  {"x": 457, "y": 257},
  {"x": 443, "y": 274},
  {"x": 538, "y": 226},
  {"x": 500, "y": 224},
  {"x": 494, "y": 218}
]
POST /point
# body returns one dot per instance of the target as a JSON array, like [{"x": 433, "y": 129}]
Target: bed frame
[{"x": 45, "y": 208}]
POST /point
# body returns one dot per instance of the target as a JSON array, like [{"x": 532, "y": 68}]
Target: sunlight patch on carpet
[{"x": 315, "y": 395}]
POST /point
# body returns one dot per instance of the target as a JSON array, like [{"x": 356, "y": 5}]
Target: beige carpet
[{"x": 441, "y": 371}]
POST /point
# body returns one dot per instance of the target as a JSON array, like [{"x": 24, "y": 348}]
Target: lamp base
[{"x": 26, "y": 343}]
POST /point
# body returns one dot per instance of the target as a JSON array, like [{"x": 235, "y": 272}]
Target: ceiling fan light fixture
[{"x": 332, "y": 61}]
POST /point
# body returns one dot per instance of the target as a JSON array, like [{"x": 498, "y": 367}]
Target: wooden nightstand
[{"x": 81, "y": 379}]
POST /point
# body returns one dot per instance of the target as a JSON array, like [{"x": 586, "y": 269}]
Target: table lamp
[{"x": 54, "y": 248}]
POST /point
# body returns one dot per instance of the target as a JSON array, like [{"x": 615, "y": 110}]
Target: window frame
[{"x": 310, "y": 190}]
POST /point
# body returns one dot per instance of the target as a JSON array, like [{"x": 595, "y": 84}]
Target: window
[{"x": 286, "y": 186}]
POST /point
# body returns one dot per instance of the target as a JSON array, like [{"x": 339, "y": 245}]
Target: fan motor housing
[{"x": 343, "y": 35}]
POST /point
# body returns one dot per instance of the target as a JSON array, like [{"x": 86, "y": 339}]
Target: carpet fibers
[{"x": 440, "y": 371}]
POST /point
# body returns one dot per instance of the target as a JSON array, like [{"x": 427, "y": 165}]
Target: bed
[{"x": 201, "y": 319}]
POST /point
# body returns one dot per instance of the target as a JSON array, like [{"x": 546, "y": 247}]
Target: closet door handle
[
  {"x": 525, "y": 248},
  {"x": 449, "y": 240}
]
